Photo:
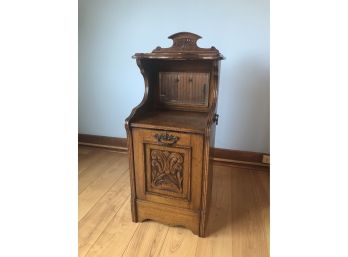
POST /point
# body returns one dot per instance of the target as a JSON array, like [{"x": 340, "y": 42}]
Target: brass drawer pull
[{"x": 166, "y": 139}]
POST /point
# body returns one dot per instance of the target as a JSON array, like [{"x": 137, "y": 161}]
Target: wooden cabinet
[{"x": 171, "y": 134}]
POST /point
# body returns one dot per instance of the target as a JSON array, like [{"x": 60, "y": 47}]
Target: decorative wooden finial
[{"x": 184, "y": 40}]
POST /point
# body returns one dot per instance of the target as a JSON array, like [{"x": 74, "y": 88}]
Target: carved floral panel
[{"x": 167, "y": 170}]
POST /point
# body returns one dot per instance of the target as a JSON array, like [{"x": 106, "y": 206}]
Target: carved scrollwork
[
  {"x": 184, "y": 43},
  {"x": 167, "y": 170},
  {"x": 184, "y": 40}
]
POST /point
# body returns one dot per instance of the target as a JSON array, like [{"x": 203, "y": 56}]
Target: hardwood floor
[{"x": 238, "y": 224}]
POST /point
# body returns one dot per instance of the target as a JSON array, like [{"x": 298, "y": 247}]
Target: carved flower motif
[{"x": 167, "y": 169}]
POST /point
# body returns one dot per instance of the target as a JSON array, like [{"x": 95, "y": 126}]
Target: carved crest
[
  {"x": 167, "y": 170},
  {"x": 184, "y": 40},
  {"x": 184, "y": 47}
]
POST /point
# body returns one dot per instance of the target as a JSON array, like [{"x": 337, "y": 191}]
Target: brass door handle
[
  {"x": 216, "y": 118},
  {"x": 166, "y": 139}
]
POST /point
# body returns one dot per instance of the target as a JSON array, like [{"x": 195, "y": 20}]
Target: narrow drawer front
[
  {"x": 166, "y": 138},
  {"x": 168, "y": 167}
]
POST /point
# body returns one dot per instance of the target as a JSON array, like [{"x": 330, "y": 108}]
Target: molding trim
[
  {"x": 111, "y": 143},
  {"x": 237, "y": 156},
  {"x": 241, "y": 159}
]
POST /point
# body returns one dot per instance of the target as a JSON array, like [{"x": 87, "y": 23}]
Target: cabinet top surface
[
  {"x": 184, "y": 121},
  {"x": 184, "y": 48}
]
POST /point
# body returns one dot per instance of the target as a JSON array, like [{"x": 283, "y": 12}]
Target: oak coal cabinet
[{"x": 171, "y": 134}]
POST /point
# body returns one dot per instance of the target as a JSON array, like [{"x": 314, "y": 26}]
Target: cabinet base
[{"x": 169, "y": 215}]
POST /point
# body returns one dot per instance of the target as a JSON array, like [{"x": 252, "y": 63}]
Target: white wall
[{"x": 110, "y": 83}]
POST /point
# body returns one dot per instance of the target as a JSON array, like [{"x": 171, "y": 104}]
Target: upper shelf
[
  {"x": 185, "y": 121},
  {"x": 184, "y": 48}
]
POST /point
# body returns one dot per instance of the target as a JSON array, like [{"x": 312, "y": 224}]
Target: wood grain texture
[
  {"x": 219, "y": 226},
  {"x": 147, "y": 240},
  {"x": 98, "y": 217},
  {"x": 96, "y": 189},
  {"x": 179, "y": 242},
  {"x": 238, "y": 225},
  {"x": 116, "y": 236},
  {"x": 90, "y": 169},
  {"x": 250, "y": 216},
  {"x": 87, "y": 159}
]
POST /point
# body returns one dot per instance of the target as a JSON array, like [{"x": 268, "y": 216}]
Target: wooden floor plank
[
  {"x": 85, "y": 150},
  {"x": 179, "y": 242},
  {"x": 147, "y": 240},
  {"x": 95, "y": 221},
  {"x": 117, "y": 235},
  {"x": 102, "y": 161},
  {"x": 87, "y": 159},
  {"x": 248, "y": 234},
  {"x": 218, "y": 240},
  {"x": 94, "y": 191},
  {"x": 261, "y": 201},
  {"x": 84, "y": 156}
]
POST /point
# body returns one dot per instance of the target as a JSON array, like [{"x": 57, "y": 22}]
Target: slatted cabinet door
[
  {"x": 184, "y": 88},
  {"x": 168, "y": 167}
]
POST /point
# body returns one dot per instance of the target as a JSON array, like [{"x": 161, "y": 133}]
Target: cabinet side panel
[
  {"x": 131, "y": 174},
  {"x": 207, "y": 178},
  {"x": 139, "y": 163},
  {"x": 197, "y": 168},
  {"x": 211, "y": 167}
]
